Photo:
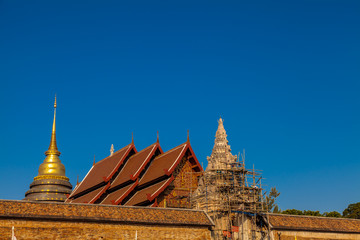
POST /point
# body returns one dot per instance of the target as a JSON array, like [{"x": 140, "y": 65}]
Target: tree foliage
[
  {"x": 293, "y": 212},
  {"x": 333, "y": 214},
  {"x": 312, "y": 213},
  {"x": 352, "y": 211},
  {"x": 270, "y": 200}
]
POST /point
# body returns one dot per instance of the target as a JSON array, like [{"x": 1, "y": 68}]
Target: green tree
[
  {"x": 270, "y": 200},
  {"x": 293, "y": 212},
  {"x": 333, "y": 214},
  {"x": 352, "y": 211},
  {"x": 312, "y": 213}
]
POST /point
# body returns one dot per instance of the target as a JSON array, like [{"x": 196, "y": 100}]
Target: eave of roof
[
  {"x": 92, "y": 196},
  {"x": 116, "y": 197},
  {"x": 149, "y": 193},
  {"x": 103, "y": 170}
]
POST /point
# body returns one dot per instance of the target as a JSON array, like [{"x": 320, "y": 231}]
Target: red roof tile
[
  {"x": 164, "y": 164},
  {"x": 91, "y": 196},
  {"x": 149, "y": 193},
  {"x": 118, "y": 196},
  {"x": 135, "y": 164},
  {"x": 103, "y": 170}
]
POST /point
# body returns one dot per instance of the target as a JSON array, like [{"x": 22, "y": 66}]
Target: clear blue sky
[{"x": 284, "y": 75}]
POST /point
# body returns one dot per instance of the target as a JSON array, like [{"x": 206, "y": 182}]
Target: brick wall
[
  {"x": 308, "y": 235},
  {"x": 33, "y": 229},
  {"x": 34, "y": 220}
]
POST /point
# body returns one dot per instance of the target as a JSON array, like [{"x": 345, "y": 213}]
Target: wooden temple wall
[{"x": 185, "y": 182}]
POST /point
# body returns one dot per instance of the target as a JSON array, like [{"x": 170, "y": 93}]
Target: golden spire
[
  {"x": 52, "y": 164},
  {"x": 53, "y": 150}
]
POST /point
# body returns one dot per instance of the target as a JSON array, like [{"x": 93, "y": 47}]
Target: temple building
[
  {"x": 152, "y": 194},
  {"x": 150, "y": 177},
  {"x": 51, "y": 184}
]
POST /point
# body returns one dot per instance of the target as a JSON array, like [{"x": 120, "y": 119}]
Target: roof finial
[
  {"x": 188, "y": 138},
  {"x": 94, "y": 160},
  {"x": 132, "y": 137},
  {"x": 112, "y": 150},
  {"x": 53, "y": 147},
  {"x": 77, "y": 180},
  {"x": 220, "y": 120},
  {"x": 157, "y": 136}
]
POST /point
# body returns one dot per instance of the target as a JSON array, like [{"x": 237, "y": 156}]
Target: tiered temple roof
[{"x": 132, "y": 178}]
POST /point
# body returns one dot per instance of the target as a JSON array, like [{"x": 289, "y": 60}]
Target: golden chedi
[{"x": 51, "y": 184}]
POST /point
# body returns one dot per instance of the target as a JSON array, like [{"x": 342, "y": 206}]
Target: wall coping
[{"x": 34, "y": 210}]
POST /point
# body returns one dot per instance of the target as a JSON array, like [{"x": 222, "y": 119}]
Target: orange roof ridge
[
  {"x": 117, "y": 152},
  {"x": 90, "y": 197},
  {"x": 109, "y": 199},
  {"x": 161, "y": 189},
  {"x": 100, "y": 193},
  {"x": 178, "y": 158},
  {"x": 173, "y": 149},
  {"x": 149, "y": 193},
  {"x": 126, "y": 193},
  {"x": 147, "y": 159}
]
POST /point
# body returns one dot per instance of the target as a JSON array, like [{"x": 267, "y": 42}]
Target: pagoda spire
[
  {"x": 53, "y": 150},
  {"x": 51, "y": 184},
  {"x": 221, "y": 157}
]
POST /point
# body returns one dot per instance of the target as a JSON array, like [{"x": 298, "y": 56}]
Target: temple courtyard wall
[
  {"x": 310, "y": 235},
  {"x": 35, "y": 220},
  {"x": 287, "y": 227}
]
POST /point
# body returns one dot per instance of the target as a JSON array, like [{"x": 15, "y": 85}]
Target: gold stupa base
[{"x": 41, "y": 177}]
